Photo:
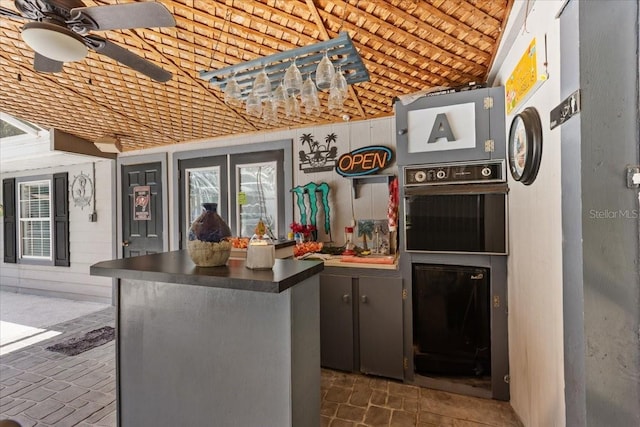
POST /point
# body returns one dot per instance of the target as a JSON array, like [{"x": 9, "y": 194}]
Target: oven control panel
[{"x": 455, "y": 173}]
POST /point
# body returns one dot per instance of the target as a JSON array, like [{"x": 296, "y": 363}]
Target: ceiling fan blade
[
  {"x": 43, "y": 64},
  {"x": 128, "y": 15},
  {"x": 12, "y": 14},
  {"x": 128, "y": 58}
]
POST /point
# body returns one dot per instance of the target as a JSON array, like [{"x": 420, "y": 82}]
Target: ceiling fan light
[{"x": 54, "y": 42}]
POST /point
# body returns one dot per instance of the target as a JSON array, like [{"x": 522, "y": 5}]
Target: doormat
[{"x": 92, "y": 339}]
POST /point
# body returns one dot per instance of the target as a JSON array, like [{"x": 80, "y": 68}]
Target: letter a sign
[
  {"x": 450, "y": 127},
  {"x": 441, "y": 129}
]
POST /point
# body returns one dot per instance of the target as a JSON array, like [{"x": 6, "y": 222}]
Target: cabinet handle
[
  {"x": 346, "y": 298},
  {"x": 364, "y": 299}
]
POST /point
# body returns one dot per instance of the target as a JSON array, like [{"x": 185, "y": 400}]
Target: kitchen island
[{"x": 218, "y": 345}]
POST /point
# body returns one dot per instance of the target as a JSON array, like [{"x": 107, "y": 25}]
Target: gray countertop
[{"x": 177, "y": 267}]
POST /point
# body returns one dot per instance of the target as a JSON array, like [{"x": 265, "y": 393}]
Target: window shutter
[
  {"x": 9, "y": 208},
  {"x": 61, "y": 219}
]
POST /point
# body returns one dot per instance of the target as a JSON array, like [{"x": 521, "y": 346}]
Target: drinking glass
[
  {"x": 262, "y": 84},
  {"x": 292, "y": 79},
  {"x": 232, "y": 93},
  {"x": 324, "y": 72},
  {"x": 280, "y": 95},
  {"x": 309, "y": 92},
  {"x": 336, "y": 101},
  {"x": 270, "y": 111},
  {"x": 292, "y": 107},
  {"x": 312, "y": 107},
  {"x": 254, "y": 104},
  {"x": 340, "y": 83}
]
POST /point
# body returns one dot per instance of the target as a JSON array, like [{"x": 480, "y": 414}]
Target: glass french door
[
  {"x": 247, "y": 187},
  {"x": 202, "y": 180},
  {"x": 257, "y": 181},
  {"x": 202, "y": 186}
]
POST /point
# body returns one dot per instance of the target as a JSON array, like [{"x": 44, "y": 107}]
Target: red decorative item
[
  {"x": 392, "y": 213},
  {"x": 305, "y": 229}
]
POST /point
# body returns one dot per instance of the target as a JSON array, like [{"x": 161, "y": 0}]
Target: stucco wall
[
  {"x": 602, "y": 262},
  {"x": 535, "y": 242}
]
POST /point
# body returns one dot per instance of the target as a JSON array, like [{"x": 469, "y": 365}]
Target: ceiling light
[
  {"x": 54, "y": 42},
  {"x": 108, "y": 144}
]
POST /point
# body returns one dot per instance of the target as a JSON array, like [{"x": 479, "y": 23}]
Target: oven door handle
[{"x": 421, "y": 190}]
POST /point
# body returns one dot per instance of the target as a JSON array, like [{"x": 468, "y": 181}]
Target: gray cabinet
[
  {"x": 474, "y": 117},
  {"x": 361, "y": 323},
  {"x": 380, "y": 316},
  {"x": 336, "y": 322}
]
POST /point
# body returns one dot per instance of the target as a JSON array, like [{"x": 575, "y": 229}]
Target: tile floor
[
  {"x": 359, "y": 400},
  {"x": 39, "y": 388}
]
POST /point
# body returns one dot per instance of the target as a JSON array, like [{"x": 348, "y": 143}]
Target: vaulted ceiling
[{"x": 406, "y": 45}]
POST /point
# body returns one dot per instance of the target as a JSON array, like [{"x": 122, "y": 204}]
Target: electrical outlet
[{"x": 633, "y": 176}]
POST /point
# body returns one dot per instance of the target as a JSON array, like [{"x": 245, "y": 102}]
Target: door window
[
  {"x": 257, "y": 197},
  {"x": 202, "y": 186}
]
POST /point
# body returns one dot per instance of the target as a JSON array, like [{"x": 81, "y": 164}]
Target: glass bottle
[
  {"x": 348, "y": 245},
  {"x": 207, "y": 242}
]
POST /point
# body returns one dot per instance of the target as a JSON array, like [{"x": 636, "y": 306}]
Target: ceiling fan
[{"x": 59, "y": 31}]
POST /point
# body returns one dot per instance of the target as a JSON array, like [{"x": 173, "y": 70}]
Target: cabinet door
[
  {"x": 380, "y": 306},
  {"x": 471, "y": 119},
  {"x": 336, "y": 322}
]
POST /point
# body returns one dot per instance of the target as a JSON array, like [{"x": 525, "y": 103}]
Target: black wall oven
[{"x": 456, "y": 208}]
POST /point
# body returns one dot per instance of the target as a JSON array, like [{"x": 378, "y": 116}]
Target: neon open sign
[{"x": 364, "y": 161}]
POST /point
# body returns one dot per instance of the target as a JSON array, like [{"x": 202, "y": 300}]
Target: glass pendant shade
[
  {"x": 293, "y": 79},
  {"x": 324, "y": 73},
  {"x": 262, "y": 85},
  {"x": 254, "y": 104}
]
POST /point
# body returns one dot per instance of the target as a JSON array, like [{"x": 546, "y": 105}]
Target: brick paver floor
[{"x": 41, "y": 388}]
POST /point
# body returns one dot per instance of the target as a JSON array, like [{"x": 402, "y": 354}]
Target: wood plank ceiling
[{"x": 406, "y": 46}]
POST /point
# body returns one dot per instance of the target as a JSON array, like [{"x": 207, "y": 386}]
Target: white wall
[
  {"x": 373, "y": 198},
  {"x": 535, "y": 244},
  {"x": 90, "y": 242}
]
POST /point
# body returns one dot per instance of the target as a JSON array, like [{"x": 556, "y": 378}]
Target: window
[
  {"x": 203, "y": 186},
  {"x": 259, "y": 197},
  {"x": 34, "y": 213},
  {"x": 258, "y": 190},
  {"x": 36, "y": 220}
]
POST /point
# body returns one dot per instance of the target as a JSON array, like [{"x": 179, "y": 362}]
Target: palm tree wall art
[{"x": 319, "y": 157}]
